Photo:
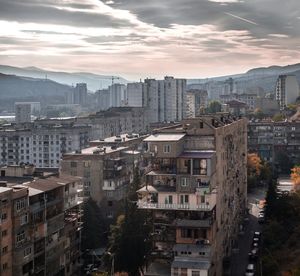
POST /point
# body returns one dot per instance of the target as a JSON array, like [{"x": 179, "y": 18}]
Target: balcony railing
[{"x": 200, "y": 207}]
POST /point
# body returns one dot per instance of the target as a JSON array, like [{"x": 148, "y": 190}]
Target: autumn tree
[{"x": 295, "y": 176}]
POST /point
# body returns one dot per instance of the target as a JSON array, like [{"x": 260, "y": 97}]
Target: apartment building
[
  {"x": 41, "y": 226},
  {"x": 268, "y": 138},
  {"x": 196, "y": 192},
  {"x": 137, "y": 94},
  {"x": 248, "y": 98},
  {"x": 106, "y": 169},
  {"x": 40, "y": 144},
  {"x": 23, "y": 112},
  {"x": 286, "y": 90}
]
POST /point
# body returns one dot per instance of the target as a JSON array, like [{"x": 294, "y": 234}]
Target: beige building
[
  {"x": 106, "y": 169},
  {"x": 196, "y": 191}
]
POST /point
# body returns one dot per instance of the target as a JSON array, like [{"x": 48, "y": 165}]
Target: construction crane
[{"x": 112, "y": 78}]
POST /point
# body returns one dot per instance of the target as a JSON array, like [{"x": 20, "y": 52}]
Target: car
[
  {"x": 255, "y": 240},
  {"x": 261, "y": 218},
  {"x": 250, "y": 270},
  {"x": 255, "y": 245},
  {"x": 256, "y": 234},
  {"x": 253, "y": 254}
]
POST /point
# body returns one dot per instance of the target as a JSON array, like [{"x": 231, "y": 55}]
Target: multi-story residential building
[
  {"x": 35, "y": 107},
  {"x": 196, "y": 192},
  {"x": 23, "y": 113},
  {"x": 248, "y": 99},
  {"x": 106, "y": 169},
  {"x": 118, "y": 95},
  {"x": 40, "y": 144},
  {"x": 43, "y": 226},
  {"x": 268, "y": 138},
  {"x": 103, "y": 99},
  {"x": 196, "y": 102},
  {"x": 80, "y": 94},
  {"x": 137, "y": 94},
  {"x": 287, "y": 90}
]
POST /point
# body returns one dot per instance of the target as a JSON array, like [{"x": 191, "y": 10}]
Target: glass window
[{"x": 167, "y": 148}]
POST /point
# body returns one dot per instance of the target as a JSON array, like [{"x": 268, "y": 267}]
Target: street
[{"x": 239, "y": 259}]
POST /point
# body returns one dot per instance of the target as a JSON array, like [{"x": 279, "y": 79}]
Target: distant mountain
[
  {"x": 14, "y": 88},
  {"x": 93, "y": 81},
  {"x": 264, "y": 77}
]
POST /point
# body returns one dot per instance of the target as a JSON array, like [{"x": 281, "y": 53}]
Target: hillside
[
  {"x": 15, "y": 88},
  {"x": 264, "y": 77},
  {"x": 94, "y": 81}
]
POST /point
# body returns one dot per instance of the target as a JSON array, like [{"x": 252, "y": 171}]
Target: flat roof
[
  {"x": 198, "y": 154},
  {"x": 164, "y": 137},
  {"x": 124, "y": 137},
  {"x": 4, "y": 189},
  {"x": 33, "y": 191},
  {"x": 91, "y": 150}
]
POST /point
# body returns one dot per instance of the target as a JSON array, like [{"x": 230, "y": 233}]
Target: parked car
[
  {"x": 253, "y": 254},
  {"x": 250, "y": 270},
  {"x": 257, "y": 234},
  {"x": 261, "y": 218},
  {"x": 255, "y": 240}
]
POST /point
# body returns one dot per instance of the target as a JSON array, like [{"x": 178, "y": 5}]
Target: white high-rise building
[
  {"x": 137, "y": 94},
  {"x": 166, "y": 99},
  {"x": 118, "y": 95},
  {"x": 287, "y": 90}
]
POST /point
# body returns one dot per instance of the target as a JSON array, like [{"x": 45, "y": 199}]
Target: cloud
[{"x": 148, "y": 38}]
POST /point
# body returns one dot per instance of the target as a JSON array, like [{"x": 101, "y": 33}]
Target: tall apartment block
[
  {"x": 106, "y": 169},
  {"x": 196, "y": 192},
  {"x": 23, "y": 113},
  {"x": 287, "y": 90},
  {"x": 268, "y": 138},
  {"x": 40, "y": 144},
  {"x": 40, "y": 226},
  {"x": 118, "y": 95},
  {"x": 137, "y": 94}
]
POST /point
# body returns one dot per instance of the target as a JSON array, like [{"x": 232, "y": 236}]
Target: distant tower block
[{"x": 23, "y": 112}]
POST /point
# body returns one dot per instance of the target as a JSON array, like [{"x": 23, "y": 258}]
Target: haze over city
[{"x": 138, "y": 39}]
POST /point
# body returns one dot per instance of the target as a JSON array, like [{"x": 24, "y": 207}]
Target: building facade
[
  {"x": 196, "y": 192},
  {"x": 287, "y": 90},
  {"x": 23, "y": 113},
  {"x": 41, "y": 227}
]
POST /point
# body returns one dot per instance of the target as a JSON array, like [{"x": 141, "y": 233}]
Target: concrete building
[
  {"x": 197, "y": 101},
  {"x": 166, "y": 99},
  {"x": 103, "y": 99},
  {"x": 248, "y": 99},
  {"x": 80, "y": 94},
  {"x": 106, "y": 169},
  {"x": 34, "y": 106},
  {"x": 118, "y": 95},
  {"x": 137, "y": 94},
  {"x": 196, "y": 192},
  {"x": 23, "y": 113},
  {"x": 40, "y": 226},
  {"x": 268, "y": 138},
  {"x": 268, "y": 106},
  {"x": 40, "y": 144},
  {"x": 287, "y": 90},
  {"x": 236, "y": 107}
]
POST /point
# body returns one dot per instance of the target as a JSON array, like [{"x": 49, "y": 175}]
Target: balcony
[{"x": 199, "y": 207}]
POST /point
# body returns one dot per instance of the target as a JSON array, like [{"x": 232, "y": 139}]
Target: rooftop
[{"x": 164, "y": 137}]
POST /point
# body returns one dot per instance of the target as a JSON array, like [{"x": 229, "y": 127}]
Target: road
[{"x": 239, "y": 259}]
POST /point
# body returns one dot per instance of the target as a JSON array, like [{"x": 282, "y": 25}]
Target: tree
[
  {"x": 278, "y": 117},
  {"x": 295, "y": 175},
  {"x": 254, "y": 164},
  {"x": 129, "y": 242},
  {"x": 94, "y": 228},
  {"x": 214, "y": 107}
]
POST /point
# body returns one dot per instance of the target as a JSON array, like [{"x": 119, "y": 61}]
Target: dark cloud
[{"x": 38, "y": 12}]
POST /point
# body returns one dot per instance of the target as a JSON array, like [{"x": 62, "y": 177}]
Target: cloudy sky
[{"x": 150, "y": 38}]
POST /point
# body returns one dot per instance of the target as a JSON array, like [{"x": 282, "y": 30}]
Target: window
[
  {"x": 4, "y": 266},
  {"x": 169, "y": 199},
  {"x": 4, "y": 216},
  {"x": 167, "y": 148},
  {"x": 184, "y": 199},
  {"x": 21, "y": 236},
  {"x": 184, "y": 182},
  {"x": 21, "y": 204},
  {"x": 24, "y": 219},
  {"x": 175, "y": 271},
  {"x": 199, "y": 167},
  {"x": 4, "y": 249},
  {"x": 27, "y": 251},
  {"x": 110, "y": 203},
  {"x": 73, "y": 164},
  {"x": 4, "y": 233},
  {"x": 86, "y": 164}
]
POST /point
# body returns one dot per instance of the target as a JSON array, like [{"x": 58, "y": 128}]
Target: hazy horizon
[{"x": 138, "y": 39}]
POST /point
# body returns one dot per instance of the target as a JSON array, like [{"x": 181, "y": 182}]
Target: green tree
[
  {"x": 214, "y": 107},
  {"x": 129, "y": 242},
  {"x": 94, "y": 227}
]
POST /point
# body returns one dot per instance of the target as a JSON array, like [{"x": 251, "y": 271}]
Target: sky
[{"x": 150, "y": 38}]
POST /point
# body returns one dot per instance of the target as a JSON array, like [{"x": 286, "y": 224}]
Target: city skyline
[{"x": 138, "y": 39}]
